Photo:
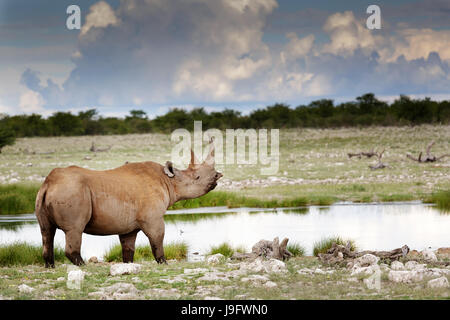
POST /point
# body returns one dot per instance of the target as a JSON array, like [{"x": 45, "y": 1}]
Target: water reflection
[
  {"x": 303, "y": 210},
  {"x": 373, "y": 227}
]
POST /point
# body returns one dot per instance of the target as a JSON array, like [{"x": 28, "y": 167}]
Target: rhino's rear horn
[{"x": 210, "y": 159}]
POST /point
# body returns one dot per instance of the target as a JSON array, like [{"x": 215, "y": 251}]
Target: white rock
[
  {"x": 270, "y": 284},
  {"x": 75, "y": 279},
  {"x": 429, "y": 255},
  {"x": 124, "y": 268},
  {"x": 319, "y": 271},
  {"x": 441, "y": 282},
  {"x": 403, "y": 276},
  {"x": 399, "y": 276},
  {"x": 254, "y": 266},
  {"x": 365, "y": 270},
  {"x": 260, "y": 265},
  {"x": 214, "y": 276},
  {"x": 367, "y": 260},
  {"x": 414, "y": 265},
  {"x": 255, "y": 278},
  {"x": 120, "y": 288},
  {"x": 397, "y": 265},
  {"x": 23, "y": 288},
  {"x": 274, "y": 265},
  {"x": 372, "y": 283},
  {"x": 212, "y": 298},
  {"x": 436, "y": 272},
  {"x": 215, "y": 258}
]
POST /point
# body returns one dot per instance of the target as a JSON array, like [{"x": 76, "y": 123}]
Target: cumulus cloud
[
  {"x": 101, "y": 15},
  {"x": 296, "y": 48},
  {"x": 419, "y": 43},
  {"x": 347, "y": 34},
  {"x": 31, "y": 102},
  {"x": 163, "y": 52}
]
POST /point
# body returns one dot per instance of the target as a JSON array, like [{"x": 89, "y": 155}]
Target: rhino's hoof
[{"x": 161, "y": 260}]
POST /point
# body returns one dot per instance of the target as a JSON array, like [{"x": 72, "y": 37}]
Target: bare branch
[
  {"x": 429, "y": 147},
  {"x": 429, "y": 157}
]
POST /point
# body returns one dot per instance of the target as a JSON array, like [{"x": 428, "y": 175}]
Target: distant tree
[
  {"x": 7, "y": 138},
  {"x": 66, "y": 124},
  {"x": 414, "y": 111},
  {"x": 323, "y": 107},
  {"x": 88, "y": 114},
  {"x": 89, "y": 120},
  {"x": 369, "y": 105},
  {"x": 139, "y": 114},
  {"x": 138, "y": 122},
  {"x": 174, "y": 119},
  {"x": 365, "y": 110}
]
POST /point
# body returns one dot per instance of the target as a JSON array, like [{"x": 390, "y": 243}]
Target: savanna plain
[{"x": 314, "y": 169}]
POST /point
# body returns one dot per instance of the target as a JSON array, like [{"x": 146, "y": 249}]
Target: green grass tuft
[
  {"x": 225, "y": 249},
  {"x": 324, "y": 244},
  {"x": 177, "y": 250},
  {"x": 442, "y": 200},
  {"x": 21, "y": 253},
  {"x": 17, "y": 198},
  {"x": 296, "y": 249}
]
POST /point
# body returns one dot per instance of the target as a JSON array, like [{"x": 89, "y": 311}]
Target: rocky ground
[{"x": 425, "y": 277}]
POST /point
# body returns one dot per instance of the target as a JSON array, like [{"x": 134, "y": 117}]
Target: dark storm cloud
[{"x": 222, "y": 53}]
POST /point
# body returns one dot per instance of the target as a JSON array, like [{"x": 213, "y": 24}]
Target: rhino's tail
[
  {"x": 40, "y": 207},
  {"x": 47, "y": 226}
]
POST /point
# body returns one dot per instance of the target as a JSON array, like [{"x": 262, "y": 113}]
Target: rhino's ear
[{"x": 169, "y": 170}]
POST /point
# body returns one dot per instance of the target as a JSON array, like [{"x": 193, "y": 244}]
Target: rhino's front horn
[{"x": 194, "y": 160}]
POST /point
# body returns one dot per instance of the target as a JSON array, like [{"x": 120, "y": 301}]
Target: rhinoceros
[{"x": 120, "y": 201}]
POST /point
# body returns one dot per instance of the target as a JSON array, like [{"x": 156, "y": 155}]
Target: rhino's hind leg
[
  {"x": 155, "y": 233},
  {"x": 73, "y": 247},
  {"x": 47, "y": 246},
  {"x": 48, "y": 235},
  {"x": 128, "y": 241}
]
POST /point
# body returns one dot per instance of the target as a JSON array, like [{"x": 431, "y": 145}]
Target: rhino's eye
[{"x": 197, "y": 177}]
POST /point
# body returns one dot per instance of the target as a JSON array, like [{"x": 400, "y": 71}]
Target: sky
[{"x": 155, "y": 55}]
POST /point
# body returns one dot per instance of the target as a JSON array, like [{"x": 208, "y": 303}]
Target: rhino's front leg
[{"x": 154, "y": 230}]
